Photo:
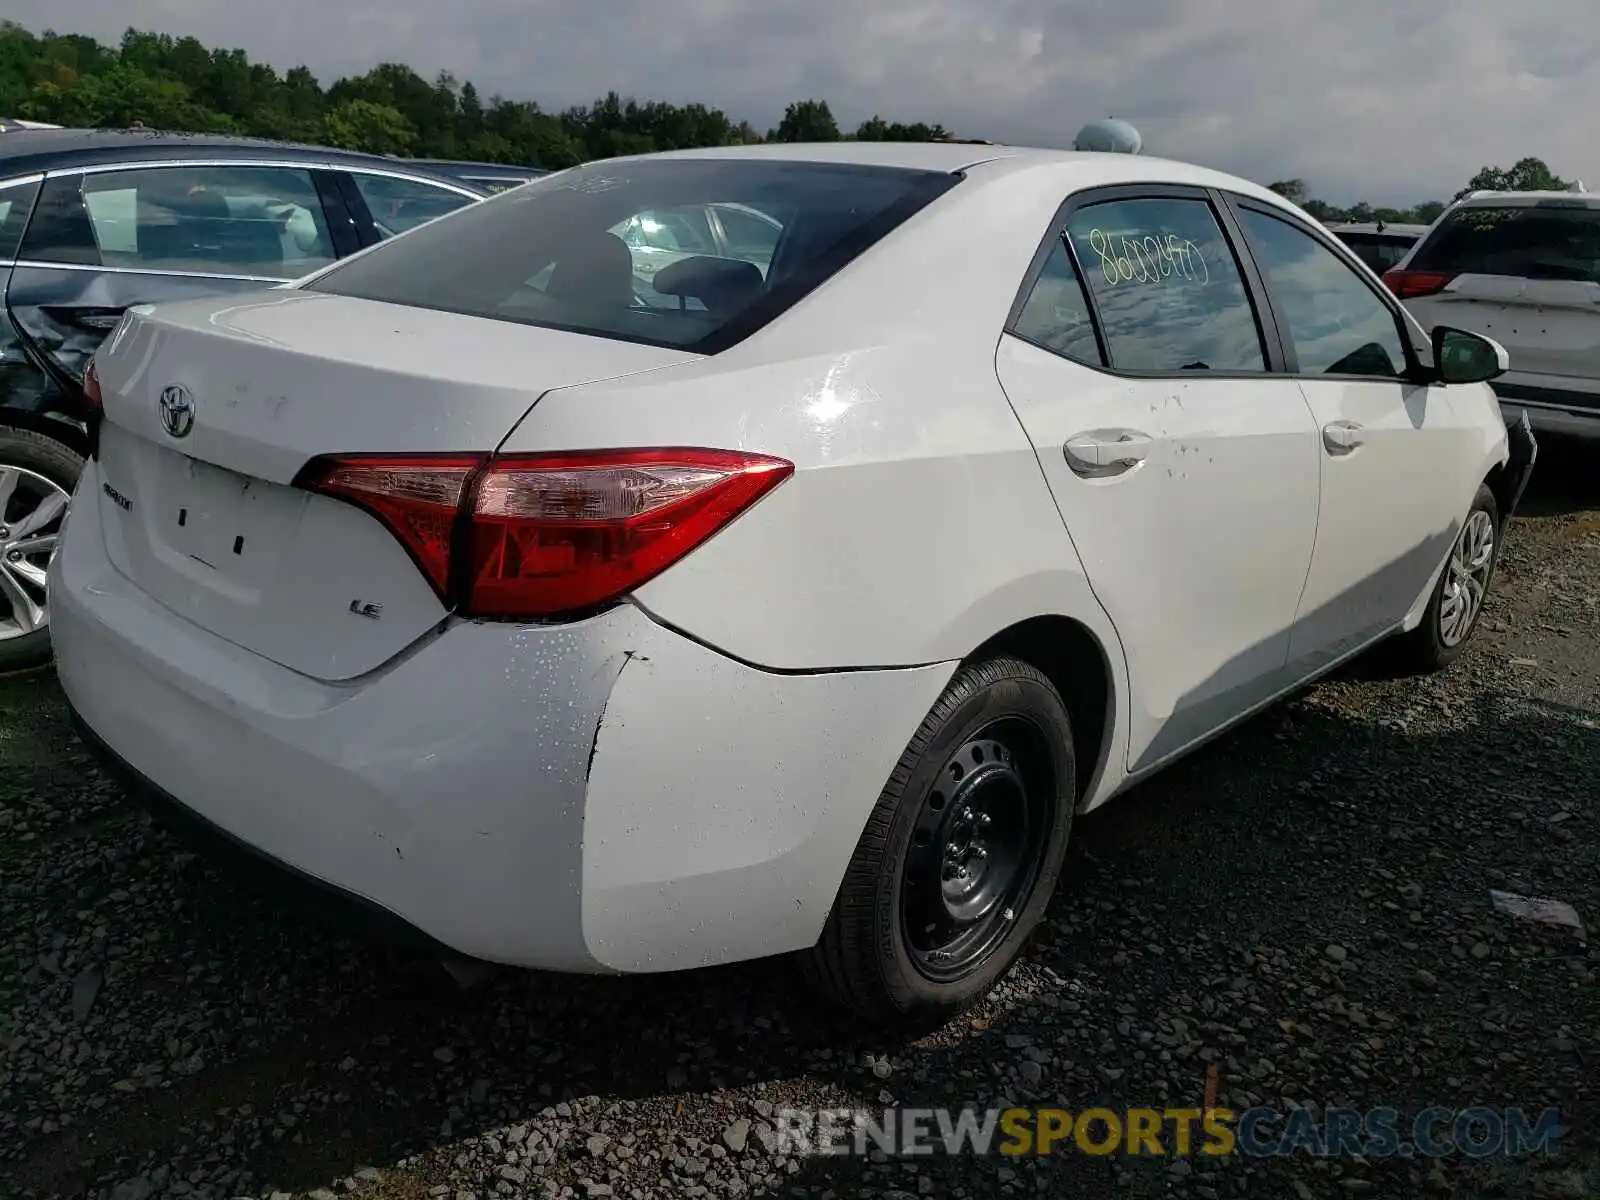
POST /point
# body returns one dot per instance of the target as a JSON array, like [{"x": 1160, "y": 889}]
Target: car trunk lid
[
  {"x": 1549, "y": 326},
  {"x": 212, "y": 409}
]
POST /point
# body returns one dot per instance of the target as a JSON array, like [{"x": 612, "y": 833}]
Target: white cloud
[{"x": 1361, "y": 98}]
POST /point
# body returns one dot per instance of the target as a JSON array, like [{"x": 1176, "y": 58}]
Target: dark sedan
[{"x": 491, "y": 177}]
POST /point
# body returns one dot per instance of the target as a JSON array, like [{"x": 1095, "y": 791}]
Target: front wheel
[
  {"x": 1457, "y": 603},
  {"x": 37, "y": 475},
  {"x": 960, "y": 855}
]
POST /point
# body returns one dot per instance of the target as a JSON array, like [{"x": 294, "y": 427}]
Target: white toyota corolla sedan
[{"x": 595, "y": 626}]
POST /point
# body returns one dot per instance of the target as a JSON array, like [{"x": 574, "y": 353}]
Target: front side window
[
  {"x": 1166, "y": 286},
  {"x": 1553, "y": 239},
  {"x": 572, "y": 250},
  {"x": 751, "y": 236},
  {"x": 397, "y": 205},
  {"x": 1056, "y": 315},
  {"x": 225, "y": 220},
  {"x": 1339, "y": 325}
]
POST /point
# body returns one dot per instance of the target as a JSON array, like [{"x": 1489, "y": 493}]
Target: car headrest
[
  {"x": 718, "y": 283},
  {"x": 593, "y": 269}
]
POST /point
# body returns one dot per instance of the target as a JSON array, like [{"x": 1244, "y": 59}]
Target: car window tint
[
  {"x": 1337, "y": 323},
  {"x": 1555, "y": 239},
  {"x": 264, "y": 221},
  {"x": 1056, "y": 315},
  {"x": 752, "y": 236},
  {"x": 16, "y": 202},
  {"x": 1378, "y": 251},
  {"x": 397, "y": 205},
  {"x": 1166, "y": 286},
  {"x": 589, "y": 249}
]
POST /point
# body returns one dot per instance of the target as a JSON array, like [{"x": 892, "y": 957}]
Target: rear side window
[
  {"x": 621, "y": 249},
  {"x": 397, "y": 205},
  {"x": 1166, "y": 286},
  {"x": 1551, "y": 240},
  {"x": 224, "y": 220},
  {"x": 1055, "y": 315},
  {"x": 16, "y": 202}
]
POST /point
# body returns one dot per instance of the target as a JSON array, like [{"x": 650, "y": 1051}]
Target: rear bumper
[
  {"x": 602, "y": 796},
  {"x": 293, "y": 887},
  {"x": 1550, "y": 409}
]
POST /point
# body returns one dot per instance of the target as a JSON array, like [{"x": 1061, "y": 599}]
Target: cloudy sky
[{"x": 1388, "y": 100}]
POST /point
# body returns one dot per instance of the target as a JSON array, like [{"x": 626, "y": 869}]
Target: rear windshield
[
  {"x": 1379, "y": 251},
  {"x": 689, "y": 253},
  {"x": 1553, "y": 240}
]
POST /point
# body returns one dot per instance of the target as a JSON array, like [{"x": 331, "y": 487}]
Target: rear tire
[
  {"x": 959, "y": 857},
  {"x": 1454, "y": 610},
  {"x": 35, "y": 470}
]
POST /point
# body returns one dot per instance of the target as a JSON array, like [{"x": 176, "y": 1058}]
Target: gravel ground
[{"x": 1304, "y": 905}]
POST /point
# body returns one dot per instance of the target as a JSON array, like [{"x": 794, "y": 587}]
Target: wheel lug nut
[
  {"x": 979, "y": 852},
  {"x": 14, "y": 556},
  {"x": 985, "y": 820}
]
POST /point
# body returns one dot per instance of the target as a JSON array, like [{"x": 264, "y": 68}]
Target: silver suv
[{"x": 1524, "y": 269}]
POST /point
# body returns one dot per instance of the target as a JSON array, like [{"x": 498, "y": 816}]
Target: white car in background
[
  {"x": 1524, "y": 269},
  {"x": 670, "y": 234},
  {"x": 583, "y": 634}
]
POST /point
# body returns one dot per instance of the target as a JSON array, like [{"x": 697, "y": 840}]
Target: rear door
[
  {"x": 1184, "y": 465},
  {"x": 1525, "y": 272},
  {"x": 103, "y": 240}
]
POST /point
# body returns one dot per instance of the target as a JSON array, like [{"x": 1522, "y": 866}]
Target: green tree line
[
  {"x": 164, "y": 82},
  {"x": 176, "y": 83},
  {"x": 1527, "y": 175}
]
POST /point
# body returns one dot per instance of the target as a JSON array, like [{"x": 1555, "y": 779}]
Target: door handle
[
  {"x": 1102, "y": 452},
  {"x": 1341, "y": 437},
  {"x": 98, "y": 320}
]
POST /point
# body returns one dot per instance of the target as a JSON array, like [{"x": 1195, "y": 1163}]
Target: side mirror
[{"x": 1462, "y": 357}]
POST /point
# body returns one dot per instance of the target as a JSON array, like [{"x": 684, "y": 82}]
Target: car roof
[
  {"x": 482, "y": 168},
  {"x": 26, "y": 151},
  {"x": 1379, "y": 228},
  {"x": 1565, "y": 199},
  {"x": 1080, "y": 168}
]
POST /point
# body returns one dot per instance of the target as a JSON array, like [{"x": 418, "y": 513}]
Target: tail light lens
[
  {"x": 548, "y": 535},
  {"x": 1409, "y": 284},
  {"x": 94, "y": 407},
  {"x": 417, "y": 497},
  {"x": 91, "y": 387}
]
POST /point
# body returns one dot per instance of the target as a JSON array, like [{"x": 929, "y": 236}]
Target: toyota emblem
[{"x": 177, "y": 410}]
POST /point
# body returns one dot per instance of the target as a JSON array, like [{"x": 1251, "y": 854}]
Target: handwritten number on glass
[{"x": 1148, "y": 259}]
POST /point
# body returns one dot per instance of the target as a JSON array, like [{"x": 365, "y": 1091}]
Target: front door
[
  {"x": 1185, "y": 470},
  {"x": 1391, "y": 451}
]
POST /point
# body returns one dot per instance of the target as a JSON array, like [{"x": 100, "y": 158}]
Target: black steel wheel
[
  {"x": 976, "y": 849},
  {"x": 960, "y": 855}
]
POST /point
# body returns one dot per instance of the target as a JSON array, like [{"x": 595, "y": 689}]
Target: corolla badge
[{"x": 177, "y": 410}]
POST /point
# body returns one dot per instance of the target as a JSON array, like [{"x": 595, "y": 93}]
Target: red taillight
[
  {"x": 551, "y": 534},
  {"x": 417, "y": 496},
  {"x": 1408, "y": 284},
  {"x": 91, "y": 386}
]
